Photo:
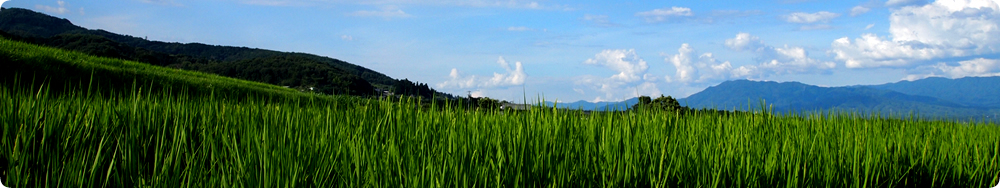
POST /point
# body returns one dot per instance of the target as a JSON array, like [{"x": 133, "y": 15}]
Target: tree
[
  {"x": 645, "y": 100},
  {"x": 488, "y": 103},
  {"x": 666, "y": 103}
]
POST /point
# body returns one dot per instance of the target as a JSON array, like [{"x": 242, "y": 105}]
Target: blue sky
[{"x": 584, "y": 50}]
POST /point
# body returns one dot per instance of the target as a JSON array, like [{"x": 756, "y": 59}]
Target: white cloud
[
  {"x": 387, "y": 12},
  {"x": 661, "y": 15},
  {"x": 921, "y": 34},
  {"x": 478, "y": 93},
  {"x": 628, "y": 65},
  {"x": 771, "y": 60},
  {"x": 512, "y": 76},
  {"x": 859, "y": 10},
  {"x": 869, "y": 26},
  {"x": 791, "y": 60},
  {"x": 744, "y": 41},
  {"x": 802, "y": 17},
  {"x": 56, "y": 10},
  {"x": 873, "y": 51},
  {"x": 613, "y": 90},
  {"x": 704, "y": 69},
  {"x": 346, "y": 38},
  {"x": 682, "y": 62},
  {"x": 520, "y": 28},
  {"x": 975, "y": 67},
  {"x": 630, "y": 76}
]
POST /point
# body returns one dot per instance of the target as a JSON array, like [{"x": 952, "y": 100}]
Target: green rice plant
[{"x": 139, "y": 138}]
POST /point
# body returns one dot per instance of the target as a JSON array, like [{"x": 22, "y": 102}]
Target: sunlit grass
[{"x": 148, "y": 139}]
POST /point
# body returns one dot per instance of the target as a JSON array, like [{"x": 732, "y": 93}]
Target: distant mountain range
[
  {"x": 963, "y": 98},
  {"x": 969, "y": 91}
]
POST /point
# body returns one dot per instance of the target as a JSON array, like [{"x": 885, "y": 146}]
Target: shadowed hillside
[{"x": 295, "y": 70}]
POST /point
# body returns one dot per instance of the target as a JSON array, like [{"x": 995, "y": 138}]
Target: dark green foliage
[
  {"x": 295, "y": 71},
  {"x": 488, "y": 103},
  {"x": 668, "y": 104},
  {"x": 410, "y": 88},
  {"x": 13, "y": 19},
  {"x": 645, "y": 100},
  {"x": 69, "y": 72}
]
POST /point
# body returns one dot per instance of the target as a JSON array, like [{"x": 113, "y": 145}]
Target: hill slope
[
  {"x": 328, "y": 75},
  {"x": 68, "y": 72}
]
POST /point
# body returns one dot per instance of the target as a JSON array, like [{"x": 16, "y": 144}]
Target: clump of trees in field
[{"x": 666, "y": 103}]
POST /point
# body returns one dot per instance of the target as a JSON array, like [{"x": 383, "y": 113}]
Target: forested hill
[{"x": 298, "y": 70}]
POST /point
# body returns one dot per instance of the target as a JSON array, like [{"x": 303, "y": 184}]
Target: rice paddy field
[{"x": 142, "y": 133}]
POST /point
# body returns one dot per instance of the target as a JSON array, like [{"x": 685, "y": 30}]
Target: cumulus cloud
[
  {"x": 664, "y": 14},
  {"x": 920, "y": 34},
  {"x": 682, "y": 62},
  {"x": 512, "y": 76},
  {"x": 975, "y": 67},
  {"x": 614, "y": 90},
  {"x": 628, "y": 65},
  {"x": 791, "y": 60},
  {"x": 57, "y": 10},
  {"x": 701, "y": 70},
  {"x": 771, "y": 60},
  {"x": 388, "y": 12},
  {"x": 859, "y": 10},
  {"x": 630, "y": 76},
  {"x": 744, "y": 42},
  {"x": 805, "y": 18}
]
